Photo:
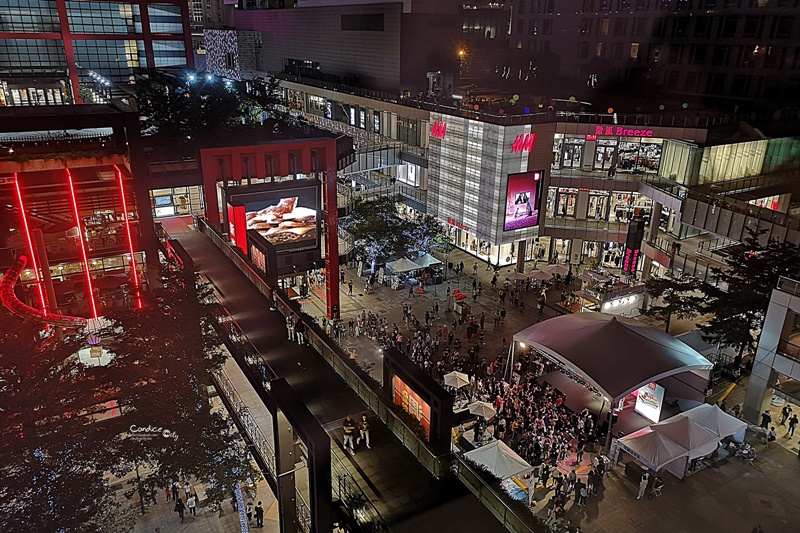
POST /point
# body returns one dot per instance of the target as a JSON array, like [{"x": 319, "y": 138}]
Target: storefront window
[
  {"x": 640, "y": 155},
  {"x": 599, "y": 204},
  {"x": 604, "y": 153},
  {"x": 178, "y": 201},
  {"x": 572, "y": 152}
]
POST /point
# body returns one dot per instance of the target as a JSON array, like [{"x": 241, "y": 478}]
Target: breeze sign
[{"x": 621, "y": 132}]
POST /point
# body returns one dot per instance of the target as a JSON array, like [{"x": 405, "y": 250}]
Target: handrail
[{"x": 346, "y": 488}]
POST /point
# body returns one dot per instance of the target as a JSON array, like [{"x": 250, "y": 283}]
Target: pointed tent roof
[
  {"x": 715, "y": 420},
  {"x": 615, "y": 354},
  {"x": 499, "y": 459},
  {"x": 403, "y": 265},
  {"x": 427, "y": 260},
  {"x": 690, "y": 435},
  {"x": 657, "y": 451}
]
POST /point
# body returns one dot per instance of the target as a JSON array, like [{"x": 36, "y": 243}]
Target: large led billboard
[
  {"x": 285, "y": 214},
  {"x": 522, "y": 200}
]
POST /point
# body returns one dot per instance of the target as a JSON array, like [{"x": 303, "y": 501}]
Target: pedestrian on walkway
[
  {"x": 342, "y": 276},
  {"x": 766, "y": 418},
  {"x": 169, "y": 494},
  {"x": 496, "y": 318},
  {"x": 792, "y": 425},
  {"x": 483, "y": 318},
  {"x": 350, "y": 287},
  {"x": 259, "y": 515},
  {"x": 772, "y": 436},
  {"x": 191, "y": 503},
  {"x": 290, "y": 328},
  {"x": 503, "y": 314},
  {"x": 410, "y": 290},
  {"x": 349, "y": 429},
  {"x": 475, "y": 269},
  {"x": 643, "y": 485},
  {"x": 785, "y": 412},
  {"x": 300, "y": 331},
  {"x": 363, "y": 428},
  {"x": 579, "y": 455},
  {"x": 249, "y": 509},
  {"x": 187, "y": 488},
  {"x": 180, "y": 508}
]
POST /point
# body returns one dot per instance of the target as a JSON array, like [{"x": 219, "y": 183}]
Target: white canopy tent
[
  {"x": 656, "y": 451},
  {"x": 427, "y": 260},
  {"x": 403, "y": 265},
  {"x": 499, "y": 459},
  {"x": 540, "y": 275},
  {"x": 717, "y": 421},
  {"x": 690, "y": 435}
]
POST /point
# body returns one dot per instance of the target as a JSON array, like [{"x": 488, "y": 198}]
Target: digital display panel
[
  {"x": 163, "y": 200},
  {"x": 411, "y": 403},
  {"x": 649, "y": 400},
  {"x": 522, "y": 200}
]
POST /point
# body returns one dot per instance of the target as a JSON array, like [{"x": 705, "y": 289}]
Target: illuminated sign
[
  {"x": 631, "y": 260},
  {"x": 591, "y": 137},
  {"x": 523, "y": 143},
  {"x": 456, "y": 223},
  {"x": 620, "y": 132},
  {"x": 438, "y": 129},
  {"x": 522, "y": 201},
  {"x": 649, "y": 400},
  {"x": 411, "y": 403}
]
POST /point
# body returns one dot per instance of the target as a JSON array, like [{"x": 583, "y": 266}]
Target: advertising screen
[
  {"x": 522, "y": 200},
  {"x": 411, "y": 403},
  {"x": 286, "y": 217},
  {"x": 649, "y": 400}
]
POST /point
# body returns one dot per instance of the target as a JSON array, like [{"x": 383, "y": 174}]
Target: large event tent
[
  {"x": 403, "y": 265},
  {"x": 656, "y": 451},
  {"x": 717, "y": 421},
  {"x": 619, "y": 355},
  {"x": 499, "y": 459}
]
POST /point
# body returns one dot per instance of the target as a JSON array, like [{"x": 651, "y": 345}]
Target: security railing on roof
[{"x": 353, "y": 497}]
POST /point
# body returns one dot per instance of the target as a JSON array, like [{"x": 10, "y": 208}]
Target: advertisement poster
[
  {"x": 522, "y": 200},
  {"x": 412, "y": 404},
  {"x": 649, "y": 400}
]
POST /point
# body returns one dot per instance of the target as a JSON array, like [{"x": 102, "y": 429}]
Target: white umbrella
[
  {"x": 540, "y": 275},
  {"x": 558, "y": 269},
  {"x": 517, "y": 275},
  {"x": 456, "y": 379},
  {"x": 482, "y": 409}
]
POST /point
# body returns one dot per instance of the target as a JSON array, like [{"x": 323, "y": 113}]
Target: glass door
[
  {"x": 572, "y": 155},
  {"x": 598, "y": 207},
  {"x": 566, "y": 204},
  {"x": 603, "y": 156}
]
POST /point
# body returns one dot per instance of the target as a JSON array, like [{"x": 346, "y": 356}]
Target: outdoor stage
[{"x": 579, "y": 398}]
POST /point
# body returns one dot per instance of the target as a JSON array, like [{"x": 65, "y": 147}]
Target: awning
[
  {"x": 403, "y": 265},
  {"x": 499, "y": 459}
]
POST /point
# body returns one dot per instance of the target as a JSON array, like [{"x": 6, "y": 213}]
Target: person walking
[
  {"x": 290, "y": 327},
  {"x": 772, "y": 436},
  {"x": 643, "y": 485},
  {"x": 579, "y": 455},
  {"x": 766, "y": 418},
  {"x": 169, "y": 494},
  {"x": 300, "y": 332},
  {"x": 249, "y": 509},
  {"x": 350, "y": 287},
  {"x": 180, "y": 508},
  {"x": 349, "y": 429},
  {"x": 191, "y": 503},
  {"x": 503, "y": 314},
  {"x": 792, "y": 425},
  {"x": 259, "y": 515},
  {"x": 785, "y": 412},
  {"x": 475, "y": 269},
  {"x": 363, "y": 428}
]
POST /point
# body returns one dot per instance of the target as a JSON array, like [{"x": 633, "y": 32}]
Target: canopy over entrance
[
  {"x": 403, "y": 265},
  {"x": 618, "y": 355}
]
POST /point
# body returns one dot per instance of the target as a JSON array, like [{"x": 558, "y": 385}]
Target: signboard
[
  {"x": 649, "y": 400},
  {"x": 412, "y": 404},
  {"x": 522, "y": 200},
  {"x": 438, "y": 129},
  {"x": 523, "y": 143},
  {"x": 619, "y": 131}
]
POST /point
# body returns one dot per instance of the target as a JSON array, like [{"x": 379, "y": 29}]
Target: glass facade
[
  {"x": 32, "y": 53},
  {"x": 116, "y": 60},
  {"x": 28, "y": 16},
  {"x": 169, "y": 53},
  {"x": 104, "y": 17},
  {"x": 165, "y": 18}
]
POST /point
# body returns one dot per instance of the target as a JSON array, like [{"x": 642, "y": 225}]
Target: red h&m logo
[
  {"x": 438, "y": 129},
  {"x": 523, "y": 143}
]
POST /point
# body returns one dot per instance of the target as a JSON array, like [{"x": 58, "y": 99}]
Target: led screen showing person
[{"x": 522, "y": 201}]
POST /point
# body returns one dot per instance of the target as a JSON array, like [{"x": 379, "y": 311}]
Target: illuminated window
[{"x": 634, "y": 51}]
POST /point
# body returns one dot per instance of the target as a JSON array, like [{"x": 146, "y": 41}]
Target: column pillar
[
  {"x": 575, "y": 251},
  {"x": 284, "y": 464},
  {"x": 331, "y": 213},
  {"x": 521, "y": 246},
  {"x": 582, "y": 205}
]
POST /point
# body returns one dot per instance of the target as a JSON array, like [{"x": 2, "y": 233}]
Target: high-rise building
[{"x": 49, "y": 47}]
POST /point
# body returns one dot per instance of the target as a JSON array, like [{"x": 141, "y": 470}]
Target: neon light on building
[{"x": 89, "y": 287}]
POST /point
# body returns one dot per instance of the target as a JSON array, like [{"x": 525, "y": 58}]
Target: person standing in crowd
[
  {"x": 191, "y": 503},
  {"x": 300, "y": 332},
  {"x": 249, "y": 512},
  {"x": 475, "y": 269},
  {"x": 350, "y": 287},
  {"x": 766, "y": 418},
  {"x": 792, "y": 425},
  {"x": 169, "y": 492},
  {"x": 643, "y": 485},
  {"x": 180, "y": 508},
  {"x": 349, "y": 429},
  {"x": 785, "y": 412},
  {"x": 363, "y": 428},
  {"x": 290, "y": 327},
  {"x": 259, "y": 515}
]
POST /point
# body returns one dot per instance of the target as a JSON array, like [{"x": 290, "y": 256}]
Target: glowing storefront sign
[
  {"x": 523, "y": 143},
  {"x": 619, "y": 131},
  {"x": 438, "y": 129}
]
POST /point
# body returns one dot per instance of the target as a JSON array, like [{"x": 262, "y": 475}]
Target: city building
[
  {"x": 74, "y": 204},
  {"x": 776, "y": 365},
  {"x": 49, "y": 49}
]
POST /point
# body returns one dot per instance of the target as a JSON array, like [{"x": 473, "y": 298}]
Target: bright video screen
[{"x": 522, "y": 200}]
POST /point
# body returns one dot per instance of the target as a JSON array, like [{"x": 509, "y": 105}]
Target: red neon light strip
[
  {"x": 127, "y": 227},
  {"x": 34, "y": 264},
  {"x": 89, "y": 286}
]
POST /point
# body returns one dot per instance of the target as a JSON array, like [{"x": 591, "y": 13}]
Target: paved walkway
[{"x": 402, "y": 488}]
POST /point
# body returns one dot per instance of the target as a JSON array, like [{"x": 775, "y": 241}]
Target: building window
[
  {"x": 586, "y": 26},
  {"x": 620, "y": 25},
  {"x": 634, "y": 52},
  {"x": 583, "y": 51},
  {"x": 604, "y": 25},
  {"x": 691, "y": 82},
  {"x": 727, "y": 29},
  {"x": 165, "y": 19},
  {"x": 617, "y": 52},
  {"x": 752, "y": 26},
  {"x": 699, "y": 52},
  {"x": 598, "y": 50},
  {"x": 547, "y": 26},
  {"x": 782, "y": 27},
  {"x": 104, "y": 17},
  {"x": 29, "y": 16},
  {"x": 169, "y": 53}
]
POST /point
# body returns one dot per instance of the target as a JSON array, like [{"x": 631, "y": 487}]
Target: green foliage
[
  {"x": 680, "y": 297},
  {"x": 203, "y": 109},
  {"x": 751, "y": 273}
]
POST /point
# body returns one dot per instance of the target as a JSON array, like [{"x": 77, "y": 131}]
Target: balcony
[{"x": 789, "y": 349}]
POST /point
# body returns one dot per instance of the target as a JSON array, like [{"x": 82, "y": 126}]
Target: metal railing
[
  {"x": 257, "y": 437},
  {"x": 789, "y": 349},
  {"x": 789, "y": 285},
  {"x": 353, "y": 497},
  {"x": 601, "y": 225},
  {"x": 303, "y": 513}
]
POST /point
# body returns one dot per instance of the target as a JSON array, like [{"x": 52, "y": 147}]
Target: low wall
[{"x": 438, "y": 466}]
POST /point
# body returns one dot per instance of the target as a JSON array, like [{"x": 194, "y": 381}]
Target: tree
[
  {"x": 190, "y": 110},
  {"x": 378, "y": 231},
  {"x": 424, "y": 233},
  {"x": 680, "y": 297},
  {"x": 751, "y": 273}
]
